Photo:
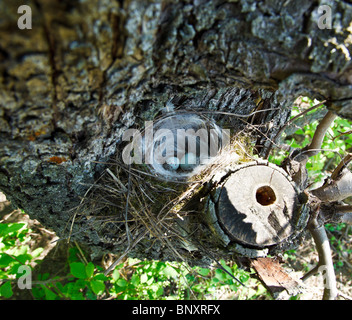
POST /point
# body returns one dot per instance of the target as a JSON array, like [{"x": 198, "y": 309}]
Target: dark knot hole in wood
[{"x": 265, "y": 196}]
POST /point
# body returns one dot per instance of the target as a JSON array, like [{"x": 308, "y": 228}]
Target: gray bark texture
[{"x": 88, "y": 70}]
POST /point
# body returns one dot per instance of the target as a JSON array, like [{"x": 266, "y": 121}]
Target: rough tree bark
[{"x": 88, "y": 70}]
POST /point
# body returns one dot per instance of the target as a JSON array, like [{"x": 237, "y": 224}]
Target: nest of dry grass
[{"x": 129, "y": 206}]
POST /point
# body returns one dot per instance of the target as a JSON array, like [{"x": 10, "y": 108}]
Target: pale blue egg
[
  {"x": 188, "y": 161},
  {"x": 172, "y": 163}
]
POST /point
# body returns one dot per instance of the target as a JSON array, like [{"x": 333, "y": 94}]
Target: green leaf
[
  {"x": 73, "y": 255},
  {"x": 225, "y": 266},
  {"x": 49, "y": 295},
  {"x": 203, "y": 271},
  {"x": 233, "y": 287},
  {"x": 90, "y": 269},
  {"x": 73, "y": 289},
  {"x": 38, "y": 292},
  {"x": 115, "y": 275},
  {"x": 244, "y": 277},
  {"x": 6, "y": 290},
  {"x": 150, "y": 281},
  {"x": 78, "y": 270},
  {"x": 100, "y": 276},
  {"x": 5, "y": 260},
  {"x": 97, "y": 286},
  {"x": 8, "y": 228},
  {"x": 23, "y": 258},
  {"x": 135, "y": 280},
  {"x": 220, "y": 275},
  {"x": 44, "y": 276},
  {"x": 121, "y": 283},
  {"x": 160, "y": 291},
  {"x": 144, "y": 278},
  {"x": 14, "y": 268},
  {"x": 170, "y": 272}
]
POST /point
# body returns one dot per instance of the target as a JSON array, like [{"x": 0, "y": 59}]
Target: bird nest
[{"x": 139, "y": 208}]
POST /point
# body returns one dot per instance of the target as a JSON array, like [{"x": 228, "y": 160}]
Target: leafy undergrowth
[
  {"x": 14, "y": 253},
  {"x": 133, "y": 279}
]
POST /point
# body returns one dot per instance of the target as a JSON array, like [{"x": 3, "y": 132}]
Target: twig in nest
[
  {"x": 116, "y": 262},
  {"x": 236, "y": 114},
  {"x": 137, "y": 205},
  {"x": 81, "y": 253},
  {"x": 119, "y": 183},
  {"x": 126, "y": 209}
]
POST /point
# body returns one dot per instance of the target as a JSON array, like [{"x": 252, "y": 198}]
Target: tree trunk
[{"x": 89, "y": 70}]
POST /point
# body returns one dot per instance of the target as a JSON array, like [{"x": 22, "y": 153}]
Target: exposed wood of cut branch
[{"x": 258, "y": 205}]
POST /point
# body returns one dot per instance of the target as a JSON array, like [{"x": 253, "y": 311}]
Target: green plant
[
  {"x": 337, "y": 236},
  {"x": 216, "y": 283},
  {"x": 148, "y": 280},
  {"x": 83, "y": 281},
  {"x": 132, "y": 279},
  {"x": 14, "y": 252}
]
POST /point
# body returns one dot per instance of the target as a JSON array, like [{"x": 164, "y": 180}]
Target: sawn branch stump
[{"x": 259, "y": 206}]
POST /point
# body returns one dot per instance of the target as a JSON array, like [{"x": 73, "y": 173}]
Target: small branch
[
  {"x": 345, "y": 296},
  {"x": 347, "y": 218},
  {"x": 287, "y": 124},
  {"x": 319, "y": 134},
  {"x": 342, "y": 165},
  {"x": 335, "y": 190},
  {"x": 342, "y": 134},
  {"x": 311, "y": 272},
  {"x": 295, "y": 163},
  {"x": 325, "y": 262},
  {"x": 335, "y": 213},
  {"x": 344, "y": 213},
  {"x": 342, "y": 209},
  {"x": 117, "y": 261}
]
